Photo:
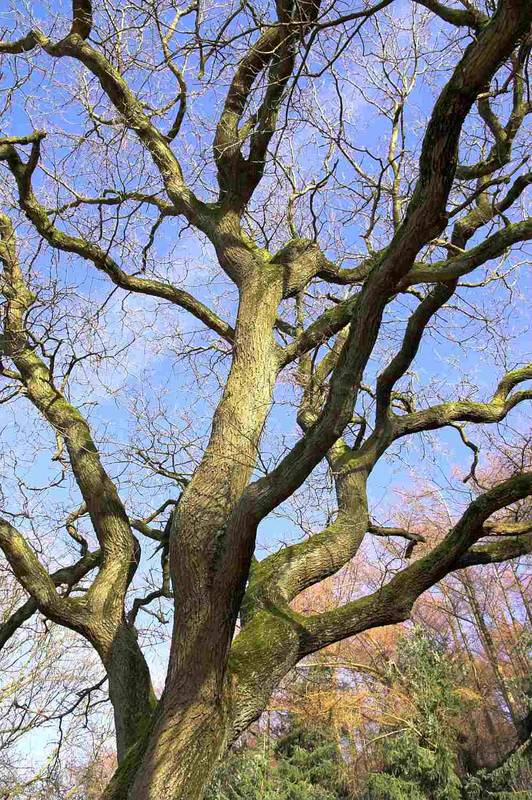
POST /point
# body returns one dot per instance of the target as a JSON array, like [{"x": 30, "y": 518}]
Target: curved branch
[
  {"x": 65, "y": 576},
  {"x": 277, "y": 637},
  {"x": 38, "y": 215},
  {"x": 393, "y": 602},
  {"x": 103, "y": 503},
  {"x": 453, "y": 268},
  {"x": 443, "y": 414},
  {"x": 36, "y": 580},
  {"x": 424, "y": 220},
  {"x": 276, "y": 580},
  {"x": 124, "y": 100}
]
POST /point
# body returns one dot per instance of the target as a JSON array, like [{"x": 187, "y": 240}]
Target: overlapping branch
[
  {"x": 38, "y": 215},
  {"x": 104, "y": 506},
  {"x": 393, "y": 601},
  {"x": 65, "y": 576},
  {"x": 424, "y": 220},
  {"x": 75, "y": 45}
]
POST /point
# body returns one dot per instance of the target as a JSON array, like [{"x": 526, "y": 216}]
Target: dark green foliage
[
  {"x": 304, "y": 764},
  {"x": 420, "y": 754},
  {"x": 419, "y": 757},
  {"x": 511, "y": 780},
  {"x": 243, "y": 775},
  {"x": 309, "y": 764}
]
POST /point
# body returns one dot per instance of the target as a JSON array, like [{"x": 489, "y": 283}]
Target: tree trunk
[
  {"x": 130, "y": 688},
  {"x": 211, "y": 547},
  {"x": 491, "y": 654},
  {"x": 186, "y": 742}
]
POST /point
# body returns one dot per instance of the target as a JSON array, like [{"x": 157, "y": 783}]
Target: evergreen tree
[
  {"x": 310, "y": 764},
  {"x": 305, "y": 764},
  {"x": 420, "y": 758},
  {"x": 243, "y": 775},
  {"x": 510, "y": 780}
]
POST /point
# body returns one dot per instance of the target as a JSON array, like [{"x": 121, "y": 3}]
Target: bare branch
[
  {"x": 393, "y": 602},
  {"x": 65, "y": 576},
  {"x": 492, "y": 247},
  {"x": 100, "y": 258}
]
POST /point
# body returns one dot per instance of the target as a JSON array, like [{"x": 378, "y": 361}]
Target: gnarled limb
[
  {"x": 394, "y": 600},
  {"x": 423, "y": 221},
  {"x": 99, "y": 614},
  {"x": 65, "y": 576},
  {"x": 276, "y": 637},
  {"x": 101, "y": 259},
  {"x": 99, "y": 493}
]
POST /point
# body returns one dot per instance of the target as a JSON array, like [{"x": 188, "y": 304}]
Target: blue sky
[{"x": 151, "y": 357}]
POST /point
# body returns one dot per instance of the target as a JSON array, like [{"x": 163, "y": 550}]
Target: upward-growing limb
[{"x": 99, "y": 614}]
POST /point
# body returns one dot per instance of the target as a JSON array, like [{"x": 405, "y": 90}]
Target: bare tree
[{"x": 137, "y": 128}]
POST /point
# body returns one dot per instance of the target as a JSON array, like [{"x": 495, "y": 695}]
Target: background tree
[
  {"x": 134, "y": 130},
  {"x": 410, "y": 738},
  {"x": 484, "y": 649},
  {"x": 419, "y": 760},
  {"x": 305, "y": 761}
]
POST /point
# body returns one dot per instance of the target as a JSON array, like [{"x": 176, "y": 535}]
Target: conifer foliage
[
  {"x": 419, "y": 747},
  {"x": 304, "y": 764},
  {"x": 420, "y": 755}
]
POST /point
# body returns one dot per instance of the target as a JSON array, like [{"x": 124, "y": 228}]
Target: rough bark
[{"x": 130, "y": 689}]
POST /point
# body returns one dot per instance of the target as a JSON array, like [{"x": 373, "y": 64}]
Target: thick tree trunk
[
  {"x": 189, "y": 736},
  {"x": 210, "y": 553},
  {"x": 176, "y": 755}
]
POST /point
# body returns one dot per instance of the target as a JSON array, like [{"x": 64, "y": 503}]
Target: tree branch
[
  {"x": 424, "y": 220},
  {"x": 65, "y": 576},
  {"x": 393, "y": 601},
  {"x": 469, "y": 17},
  {"x": 453, "y": 268},
  {"x": 38, "y": 215},
  {"x": 496, "y": 552},
  {"x": 103, "y": 503},
  {"x": 465, "y": 410},
  {"x": 276, "y": 49},
  {"x": 34, "y": 577},
  {"x": 125, "y": 101}
]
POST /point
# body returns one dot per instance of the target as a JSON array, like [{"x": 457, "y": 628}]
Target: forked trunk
[{"x": 210, "y": 553}]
